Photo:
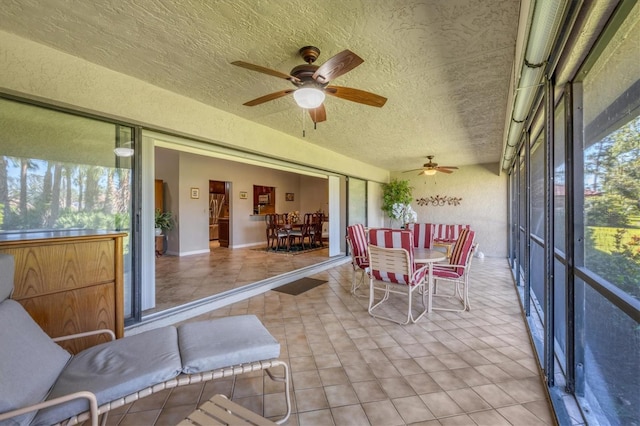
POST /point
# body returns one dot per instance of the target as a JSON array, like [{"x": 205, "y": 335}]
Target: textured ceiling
[{"x": 444, "y": 65}]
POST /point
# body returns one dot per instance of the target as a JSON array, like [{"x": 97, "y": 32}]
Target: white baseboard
[{"x": 189, "y": 253}]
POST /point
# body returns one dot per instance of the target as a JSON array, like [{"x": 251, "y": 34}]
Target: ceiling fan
[
  {"x": 312, "y": 82},
  {"x": 431, "y": 168}
]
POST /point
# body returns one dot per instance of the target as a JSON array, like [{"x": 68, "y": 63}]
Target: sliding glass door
[{"x": 61, "y": 171}]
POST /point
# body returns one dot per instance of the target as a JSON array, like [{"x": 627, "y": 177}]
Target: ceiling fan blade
[
  {"x": 356, "y": 95},
  {"x": 412, "y": 170},
  {"x": 264, "y": 70},
  {"x": 440, "y": 169},
  {"x": 319, "y": 114},
  {"x": 269, "y": 97},
  {"x": 337, "y": 65},
  {"x": 448, "y": 167}
]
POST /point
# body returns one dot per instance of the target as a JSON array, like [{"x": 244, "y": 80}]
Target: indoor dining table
[{"x": 428, "y": 256}]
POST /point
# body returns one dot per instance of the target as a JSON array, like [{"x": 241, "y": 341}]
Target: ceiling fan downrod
[{"x": 309, "y": 54}]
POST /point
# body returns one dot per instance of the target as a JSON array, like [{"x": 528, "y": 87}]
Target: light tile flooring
[
  {"x": 180, "y": 280},
  {"x": 466, "y": 368}
]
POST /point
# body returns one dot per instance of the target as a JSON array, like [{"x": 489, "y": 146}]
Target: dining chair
[
  {"x": 302, "y": 232},
  {"x": 310, "y": 231},
  {"x": 317, "y": 219},
  {"x": 276, "y": 234},
  {"x": 456, "y": 271},
  {"x": 422, "y": 234},
  {"x": 392, "y": 270},
  {"x": 357, "y": 241}
]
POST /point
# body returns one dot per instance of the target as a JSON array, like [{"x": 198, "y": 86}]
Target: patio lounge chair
[{"x": 43, "y": 384}]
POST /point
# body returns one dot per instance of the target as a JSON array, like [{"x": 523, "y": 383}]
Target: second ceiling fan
[
  {"x": 432, "y": 168},
  {"x": 312, "y": 82}
]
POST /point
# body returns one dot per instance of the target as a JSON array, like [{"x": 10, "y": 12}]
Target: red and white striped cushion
[
  {"x": 447, "y": 233},
  {"x": 441, "y": 272},
  {"x": 461, "y": 249},
  {"x": 396, "y": 238},
  {"x": 422, "y": 234},
  {"x": 358, "y": 244}
]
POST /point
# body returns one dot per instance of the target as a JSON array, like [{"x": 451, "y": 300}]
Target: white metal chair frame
[
  {"x": 394, "y": 261},
  {"x": 461, "y": 282},
  {"x": 356, "y": 261}
]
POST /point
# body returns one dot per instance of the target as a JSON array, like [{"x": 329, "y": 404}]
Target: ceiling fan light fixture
[
  {"x": 124, "y": 151},
  {"x": 430, "y": 172},
  {"x": 309, "y": 97}
]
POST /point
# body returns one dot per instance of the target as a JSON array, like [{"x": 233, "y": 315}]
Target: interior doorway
[{"x": 219, "y": 217}]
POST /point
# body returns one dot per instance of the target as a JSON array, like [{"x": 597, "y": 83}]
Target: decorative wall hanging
[{"x": 439, "y": 200}]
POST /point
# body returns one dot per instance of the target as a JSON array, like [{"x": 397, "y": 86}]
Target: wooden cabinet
[
  {"x": 264, "y": 199},
  {"x": 159, "y": 195},
  {"x": 223, "y": 231},
  {"x": 69, "y": 282}
]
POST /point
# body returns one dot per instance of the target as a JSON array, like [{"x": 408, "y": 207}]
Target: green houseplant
[
  {"x": 395, "y": 192},
  {"x": 164, "y": 221}
]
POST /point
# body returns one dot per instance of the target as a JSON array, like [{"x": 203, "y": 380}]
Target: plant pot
[{"x": 158, "y": 231}]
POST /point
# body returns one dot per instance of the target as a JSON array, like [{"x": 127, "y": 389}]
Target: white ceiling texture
[{"x": 444, "y": 65}]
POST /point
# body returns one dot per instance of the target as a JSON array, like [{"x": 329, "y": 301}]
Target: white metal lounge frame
[
  {"x": 96, "y": 411},
  {"x": 182, "y": 380},
  {"x": 197, "y": 355}
]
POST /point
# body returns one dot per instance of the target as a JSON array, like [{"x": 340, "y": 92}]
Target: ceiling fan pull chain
[{"x": 303, "y": 122}]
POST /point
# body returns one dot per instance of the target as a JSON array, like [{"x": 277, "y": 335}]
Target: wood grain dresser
[{"x": 70, "y": 281}]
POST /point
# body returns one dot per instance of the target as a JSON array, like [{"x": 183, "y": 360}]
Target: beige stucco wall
[
  {"x": 35, "y": 70},
  {"x": 483, "y": 205}
]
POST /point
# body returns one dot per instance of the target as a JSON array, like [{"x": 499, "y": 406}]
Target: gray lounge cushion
[
  {"x": 115, "y": 369},
  {"x": 223, "y": 342},
  {"x": 30, "y": 361},
  {"x": 7, "y": 269}
]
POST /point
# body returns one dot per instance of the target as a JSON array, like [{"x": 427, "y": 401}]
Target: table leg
[{"x": 430, "y": 289}]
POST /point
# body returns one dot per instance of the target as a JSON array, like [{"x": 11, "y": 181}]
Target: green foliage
[
  {"x": 85, "y": 220},
  {"x": 615, "y": 255},
  {"x": 396, "y": 191},
  {"x": 121, "y": 221},
  {"x": 609, "y": 210},
  {"x": 164, "y": 220}
]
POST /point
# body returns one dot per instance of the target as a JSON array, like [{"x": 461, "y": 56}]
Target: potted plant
[
  {"x": 395, "y": 193},
  {"x": 164, "y": 221}
]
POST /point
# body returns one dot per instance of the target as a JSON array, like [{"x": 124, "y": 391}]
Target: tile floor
[
  {"x": 471, "y": 368},
  {"x": 180, "y": 280}
]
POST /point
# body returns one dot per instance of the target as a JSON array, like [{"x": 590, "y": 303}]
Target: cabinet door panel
[
  {"x": 49, "y": 268},
  {"x": 65, "y": 313}
]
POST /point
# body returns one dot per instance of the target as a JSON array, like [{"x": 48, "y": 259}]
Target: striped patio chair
[
  {"x": 457, "y": 270},
  {"x": 357, "y": 241},
  {"x": 422, "y": 234},
  {"x": 392, "y": 270}
]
